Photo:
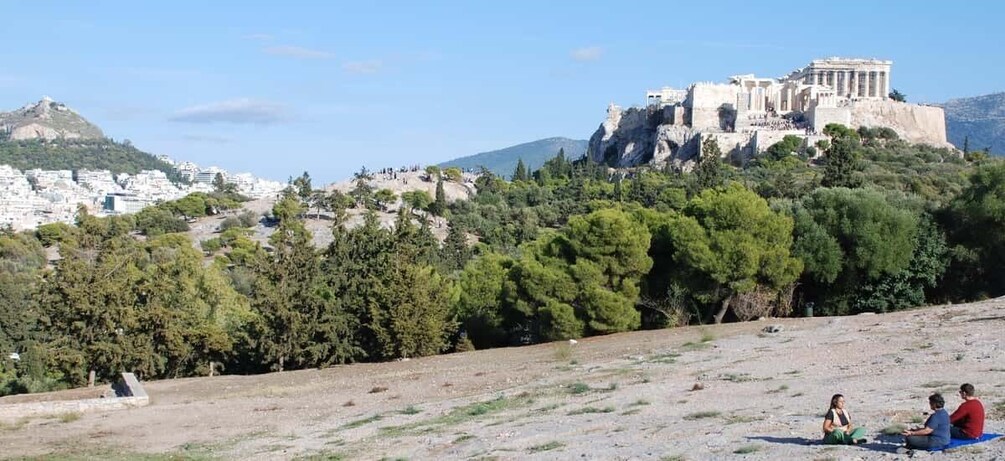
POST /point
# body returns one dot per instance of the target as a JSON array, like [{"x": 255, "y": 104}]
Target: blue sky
[{"x": 277, "y": 88}]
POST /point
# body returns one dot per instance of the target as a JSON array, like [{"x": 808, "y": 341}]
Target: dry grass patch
[
  {"x": 563, "y": 351},
  {"x": 701, "y": 415},
  {"x": 997, "y": 411},
  {"x": 16, "y": 425},
  {"x": 588, "y": 410},
  {"x": 746, "y": 449},
  {"x": 69, "y": 417},
  {"x": 553, "y": 445},
  {"x": 460, "y": 415},
  {"x": 579, "y": 388},
  {"x": 742, "y": 419},
  {"x": 893, "y": 429},
  {"x": 362, "y": 422}
]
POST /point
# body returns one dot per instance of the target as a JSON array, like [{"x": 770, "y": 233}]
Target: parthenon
[{"x": 849, "y": 78}]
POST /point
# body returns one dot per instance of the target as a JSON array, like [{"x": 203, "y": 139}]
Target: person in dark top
[
  {"x": 935, "y": 434},
  {"x": 838, "y": 429},
  {"x": 967, "y": 422}
]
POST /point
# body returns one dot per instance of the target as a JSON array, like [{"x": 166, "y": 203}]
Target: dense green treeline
[
  {"x": 871, "y": 224},
  {"x": 80, "y": 154}
]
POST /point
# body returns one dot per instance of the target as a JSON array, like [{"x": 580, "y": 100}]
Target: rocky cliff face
[
  {"x": 635, "y": 136},
  {"x": 914, "y": 123},
  {"x": 48, "y": 120}
]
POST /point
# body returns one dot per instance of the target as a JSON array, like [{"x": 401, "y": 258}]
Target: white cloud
[
  {"x": 259, "y": 37},
  {"x": 158, "y": 73},
  {"x": 298, "y": 52},
  {"x": 128, "y": 112},
  {"x": 207, "y": 138},
  {"x": 363, "y": 67},
  {"x": 237, "y": 111},
  {"x": 590, "y": 53}
]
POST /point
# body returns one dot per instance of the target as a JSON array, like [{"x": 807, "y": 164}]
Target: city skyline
[{"x": 277, "y": 90}]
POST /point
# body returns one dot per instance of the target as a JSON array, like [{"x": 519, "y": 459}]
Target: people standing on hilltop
[
  {"x": 838, "y": 429},
  {"x": 967, "y": 422},
  {"x": 935, "y": 433}
]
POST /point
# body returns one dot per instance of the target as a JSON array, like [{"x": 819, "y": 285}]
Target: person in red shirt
[{"x": 968, "y": 420}]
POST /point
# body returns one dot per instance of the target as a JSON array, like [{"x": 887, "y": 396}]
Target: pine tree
[
  {"x": 356, "y": 266},
  {"x": 439, "y": 205},
  {"x": 708, "y": 172},
  {"x": 219, "y": 184},
  {"x": 841, "y": 164},
  {"x": 303, "y": 187},
  {"x": 455, "y": 252},
  {"x": 520, "y": 174},
  {"x": 304, "y": 322},
  {"x": 412, "y": 318}
]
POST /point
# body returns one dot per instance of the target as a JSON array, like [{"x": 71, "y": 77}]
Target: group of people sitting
[{"x": 967, "y": 422}]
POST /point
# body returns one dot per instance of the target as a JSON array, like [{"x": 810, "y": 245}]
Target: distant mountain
[
  {"x": 980, "y": 119},
  {"x": 502, "y": 162},
  {"x": 46, "y": 119},
  {"x": 51, "y": 136}
]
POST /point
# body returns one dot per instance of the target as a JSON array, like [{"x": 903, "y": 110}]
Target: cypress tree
[{"x": 520, "y": 174}]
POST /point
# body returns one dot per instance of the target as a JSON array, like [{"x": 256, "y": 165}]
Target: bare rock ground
[
  {"x": 319, "y": 223},
  {"x": 619, "y": 397}
]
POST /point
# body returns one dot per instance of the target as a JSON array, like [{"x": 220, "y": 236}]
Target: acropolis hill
[{"x": 747, "y": 114}]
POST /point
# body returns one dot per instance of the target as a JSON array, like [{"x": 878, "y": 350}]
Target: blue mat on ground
[{"x": 956, "y": 443}]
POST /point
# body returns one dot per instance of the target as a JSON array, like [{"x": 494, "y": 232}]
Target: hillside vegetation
[
  {"x": 570, "y": 250},
  {"x": 80, "y": 154}
]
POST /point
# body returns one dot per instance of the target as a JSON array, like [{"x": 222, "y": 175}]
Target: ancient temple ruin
[{"x": 746, "y": 113}]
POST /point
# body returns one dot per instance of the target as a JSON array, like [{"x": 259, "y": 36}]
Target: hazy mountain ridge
[
  {"x": 502, "y": 162},
  {"x": 979, "y": 121}
]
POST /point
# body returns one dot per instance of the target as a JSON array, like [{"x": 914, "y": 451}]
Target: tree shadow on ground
[
  {"x": 786, "y": 440},
  {"x": 878, "y": 445}
]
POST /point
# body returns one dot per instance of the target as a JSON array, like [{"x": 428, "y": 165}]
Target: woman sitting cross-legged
[{"x": 837, "y": 425}]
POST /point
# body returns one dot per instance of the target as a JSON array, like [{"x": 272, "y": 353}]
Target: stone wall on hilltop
[{"x": 913, "y": 122}]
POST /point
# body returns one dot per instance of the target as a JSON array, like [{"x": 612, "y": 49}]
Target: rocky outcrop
[
  {"x": 634, "y": 136},
  {"x": 637, "y": 136},
  {"x": 48, "y": 120}
]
